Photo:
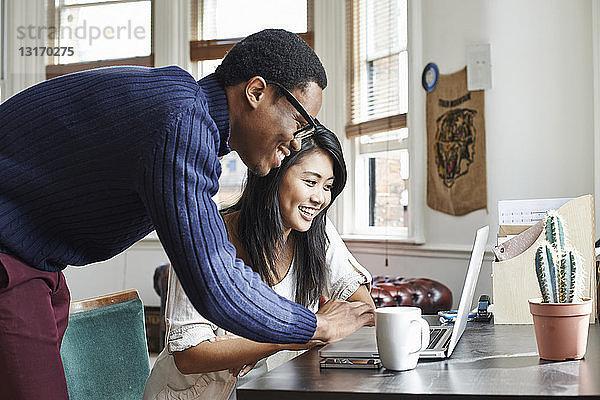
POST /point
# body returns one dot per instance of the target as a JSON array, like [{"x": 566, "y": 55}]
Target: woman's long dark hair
[{"x": 260, "y": 226}]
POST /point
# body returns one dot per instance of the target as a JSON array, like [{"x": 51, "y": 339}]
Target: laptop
[{"x": 443, "y": 339}]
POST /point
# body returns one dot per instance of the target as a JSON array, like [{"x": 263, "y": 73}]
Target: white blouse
[{"x": 186, "y": 328}]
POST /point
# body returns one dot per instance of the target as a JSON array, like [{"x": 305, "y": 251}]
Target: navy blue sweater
[{"x": 92, "y": 162}]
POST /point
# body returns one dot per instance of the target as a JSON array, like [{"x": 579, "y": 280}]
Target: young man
[{"x": 92, "y": 162}]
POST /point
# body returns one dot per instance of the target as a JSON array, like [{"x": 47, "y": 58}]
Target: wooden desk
[{"x": 490, "y": 361}]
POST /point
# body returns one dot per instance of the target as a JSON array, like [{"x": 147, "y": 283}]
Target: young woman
[{"x": 279, "y": 227}]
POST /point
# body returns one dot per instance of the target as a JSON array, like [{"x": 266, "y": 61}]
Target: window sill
[
  {"x": 407, "y": 247},
  {"x": 380, "y": 238}
]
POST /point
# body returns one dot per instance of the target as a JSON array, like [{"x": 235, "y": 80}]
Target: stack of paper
[{"x": 516, "y": 216}]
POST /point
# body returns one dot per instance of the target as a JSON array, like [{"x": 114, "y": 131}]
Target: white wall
[
  {"x": 132, "y": 269},
  {"x": 539, "y": 120},
  {"x": 539, "y": 114}
]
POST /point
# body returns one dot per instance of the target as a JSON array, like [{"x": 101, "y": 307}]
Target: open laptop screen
[{"x": 466, "y": 298}]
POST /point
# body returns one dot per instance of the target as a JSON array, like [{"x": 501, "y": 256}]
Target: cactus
[{"x": 557, "y": 266}]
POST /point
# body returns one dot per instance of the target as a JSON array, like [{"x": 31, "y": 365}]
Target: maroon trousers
[{"x": 34, "y": 310}]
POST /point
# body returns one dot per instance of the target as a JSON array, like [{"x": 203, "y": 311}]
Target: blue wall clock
[{"x": 430, "y": 77}]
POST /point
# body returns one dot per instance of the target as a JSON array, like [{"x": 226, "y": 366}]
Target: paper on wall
[{"x": 526, "y": 212}]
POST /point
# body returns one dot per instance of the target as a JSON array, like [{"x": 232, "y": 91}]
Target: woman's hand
[
  {"x": 230, "y": 352},
  {"x": 242, "y": 370}
]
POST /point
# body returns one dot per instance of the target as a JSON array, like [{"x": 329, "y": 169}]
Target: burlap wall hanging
[{"x": 456, "y": 182}]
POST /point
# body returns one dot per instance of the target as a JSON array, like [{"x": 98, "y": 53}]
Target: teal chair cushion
[{"x": 104, "y": 353}]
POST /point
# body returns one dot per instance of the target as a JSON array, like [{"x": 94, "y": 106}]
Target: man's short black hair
[{"x": 276, "y": 55}]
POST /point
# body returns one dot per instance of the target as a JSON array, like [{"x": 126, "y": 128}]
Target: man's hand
[
  {"x": 337, "y": 319},
  {"x": 299, "y": 347}
]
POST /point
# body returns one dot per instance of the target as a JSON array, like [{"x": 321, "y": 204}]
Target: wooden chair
[{"x": 104, "y": 349}]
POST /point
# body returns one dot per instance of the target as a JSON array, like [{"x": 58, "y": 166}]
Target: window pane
[
  {"x": 233, "y": 175},
  {"x": 380, "y": 89},
  {"x": 105, "y": 31},
  {"x": 395, "y": 135},
  {"x": 381, "y": 61},
  {"x": 387, "y": 86},
  {"x": 233, "y": 170},
  {"x": 384, "y": 142},
  {"x": 385, "y": 21},
  {"x": 76, "y": 2},
  {"x": 387, "y": 180},
  {"x": 239, "y": 18},
  {"x": 207, "y": 67}
]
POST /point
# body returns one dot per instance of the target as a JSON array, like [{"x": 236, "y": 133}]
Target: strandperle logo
[{"x": 82, "y": 32}]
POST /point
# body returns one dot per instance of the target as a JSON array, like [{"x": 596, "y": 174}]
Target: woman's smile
[{"x": 306, "y": 190}]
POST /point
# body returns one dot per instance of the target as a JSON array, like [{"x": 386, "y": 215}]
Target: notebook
[{"x": 443, "y": 339}]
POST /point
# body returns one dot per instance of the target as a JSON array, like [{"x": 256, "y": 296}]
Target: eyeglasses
[{"x": 307, "y": 130}]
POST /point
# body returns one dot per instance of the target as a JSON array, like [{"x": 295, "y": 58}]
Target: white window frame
[
  {"x": 362, "y": 152},
  {"x": 415, "y": 144},
  {"x": 215, "y": 49}
]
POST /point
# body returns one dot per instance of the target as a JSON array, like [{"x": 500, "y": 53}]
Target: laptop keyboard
[{"x": 435, "y": 334}]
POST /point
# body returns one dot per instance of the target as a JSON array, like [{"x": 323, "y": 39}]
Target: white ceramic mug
[{"x": 401, "y": 335}]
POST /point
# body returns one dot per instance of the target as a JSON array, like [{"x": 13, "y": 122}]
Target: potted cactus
[{"x": 561, "y": 315}]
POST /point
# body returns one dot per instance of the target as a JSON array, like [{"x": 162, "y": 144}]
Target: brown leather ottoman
[{"x": 429, "y": 295}]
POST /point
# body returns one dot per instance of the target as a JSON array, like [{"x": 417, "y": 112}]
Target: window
[
  {"x": 90, "y": 34},
  {"x": 378, "y": 109},
  {"x": 216, "y": 26}
]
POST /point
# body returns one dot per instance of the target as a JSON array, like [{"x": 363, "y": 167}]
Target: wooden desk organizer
[{"x": 514, "y": 280}]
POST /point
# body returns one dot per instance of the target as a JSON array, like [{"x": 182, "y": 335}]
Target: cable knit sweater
[{"x": 92, "y": 162}]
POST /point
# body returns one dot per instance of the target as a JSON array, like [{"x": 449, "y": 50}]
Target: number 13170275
[{"x": 46, "y": 51}]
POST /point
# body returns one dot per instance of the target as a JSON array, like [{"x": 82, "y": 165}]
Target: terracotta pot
[{"x": 561, "y": 329}]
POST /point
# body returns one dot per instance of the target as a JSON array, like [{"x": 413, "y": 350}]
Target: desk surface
[{"x": 491, "y": 361}]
